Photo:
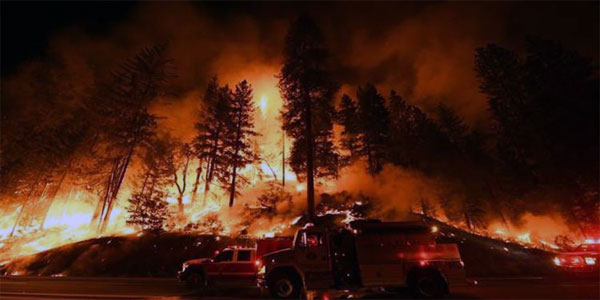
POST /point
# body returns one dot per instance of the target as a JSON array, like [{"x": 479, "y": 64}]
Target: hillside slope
[{"x": 152, "y": 255}]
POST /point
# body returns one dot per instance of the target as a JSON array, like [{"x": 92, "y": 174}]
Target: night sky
[
  {"x": 27, "y": 26},
  {"x": 424, "y": 51}
]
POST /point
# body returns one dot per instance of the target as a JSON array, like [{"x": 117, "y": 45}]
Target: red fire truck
[
  {"x": 232, "y": 266},
  {"x": 367, "y": 255}
]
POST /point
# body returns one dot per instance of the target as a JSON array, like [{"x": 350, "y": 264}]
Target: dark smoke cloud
[{"x": 424, "y": 51}]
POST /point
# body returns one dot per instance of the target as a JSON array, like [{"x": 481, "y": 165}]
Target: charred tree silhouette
[
  {"x": 40, "y": 143},
  {"x": 307, "y": 90},
  {"x": 238, "y": 151},
  {"x": 374, "y": 127},
  {"x": 545, "y": 112},
  {"x": 211, "y": 136},
  {"x": 182, "y": 158},
  {"x": 127, "y": 123},
  {"x": 148, "y": 207},
  {"x": 348, "y": 118}
]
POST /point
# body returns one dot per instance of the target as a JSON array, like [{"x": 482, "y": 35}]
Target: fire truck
[
  {"x": 232, "y": 266},
  {"x": 368, "y": 254}
]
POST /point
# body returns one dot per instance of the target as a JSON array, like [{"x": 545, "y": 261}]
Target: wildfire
[
  {"x": 263, "y": 105},
  {"x": 525, "y": 238},
  {"x": 69, "y": 217}
]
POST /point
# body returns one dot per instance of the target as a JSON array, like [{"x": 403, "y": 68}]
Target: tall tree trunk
[
  {"x": 122, "y": 169},
  {"x": 12, "y": 232},
  {"x": 20, "y": 215},
  {"x": 211, "y": 161},
  {"x": 468, "y": 221},
  {"x": 283, "y": 158},
  {"x": 52, "y": 196},
  {"x": 310, "y": 183},
  {"x": 101, "y": 205},
  {"x": 181, "y": 189},
  {"x": 115, "y": 191},
  {"x": 137, "y": 206},
  {"x": 369, "y": 158},
  {"x": 37, "y": 202},
  {"x": 235, "y": 162},
  {"x": 196, "y": 182}
]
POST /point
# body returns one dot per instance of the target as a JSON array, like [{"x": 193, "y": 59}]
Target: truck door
[
  {"x": 220, "y": 264},
  {"x": 242, "y": 270},
  {"x": 312, "y": 256}
]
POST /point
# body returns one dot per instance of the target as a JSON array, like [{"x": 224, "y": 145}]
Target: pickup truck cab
[
  {"x": 368, "y": 255},
  {"x": 230, "y": 266}
]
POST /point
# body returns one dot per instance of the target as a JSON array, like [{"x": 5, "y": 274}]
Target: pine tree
[
  {"x": 545, "y": 111},
  {"x": 348, "y": 118},
  {"x": 126, "y": 122},
  {"x": 307, "y": 89},
  {"x": 148, "y": 207},
  {"x": 237, "y": 148},
  {"x": 212, "y": 130},
  {"x": 182, "y": 159},
  {"x": 374, "y": 127},
  {"x": 413, "y": 136}
]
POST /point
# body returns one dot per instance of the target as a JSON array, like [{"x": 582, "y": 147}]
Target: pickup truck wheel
[
  {"x": 195, "y": 280},
  {"x": 285, "y": 286},
  {"x": 428, "y": 284}
]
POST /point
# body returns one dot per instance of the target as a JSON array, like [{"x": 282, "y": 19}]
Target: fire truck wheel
[
  {"x": 285, "y": 285},
  {"x": 428, "y": 284}
]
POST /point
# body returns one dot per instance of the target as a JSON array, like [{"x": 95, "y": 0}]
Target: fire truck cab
[{"x": 367, "y": 255}]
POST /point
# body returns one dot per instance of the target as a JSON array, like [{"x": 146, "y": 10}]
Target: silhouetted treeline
[
  {"x": 540, "y": 156},
  {"x": 64, "y": 133}
]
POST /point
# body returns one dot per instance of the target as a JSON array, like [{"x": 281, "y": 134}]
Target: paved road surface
[{"x": 143, "y": 288}]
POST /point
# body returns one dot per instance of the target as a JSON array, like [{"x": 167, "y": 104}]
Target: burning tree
[
  {"x": 307, "y": 89},
  {"x": 413, "y": 136},
  {"x": 148, "y": 207},
  {"x": 224, "y": 140},
  {"x": 238, "y": 151},
  {"x": 210, "y": 140},
  {"x": 126, "y": 122},
  {"x": 182, "y": 158},
  {"x": 347, "y": 116},
  {"x": 373, "y": 126},
  {"x": 44, "y": 131}
]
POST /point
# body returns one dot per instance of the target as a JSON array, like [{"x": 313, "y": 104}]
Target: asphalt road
[{"x": 20, "y": 287}]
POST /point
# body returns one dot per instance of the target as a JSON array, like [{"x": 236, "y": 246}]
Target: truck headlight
[
  {"x": 590, "y": 261},
  {"x": 262, "y": 270},
  {"x": 185, "y": 265}
]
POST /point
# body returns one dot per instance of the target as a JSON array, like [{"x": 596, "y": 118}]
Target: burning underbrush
[
  {"x": 161, "y": 255},
  {"x": 498, "y": 250},
  {"x": 68, "y": 246}
]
